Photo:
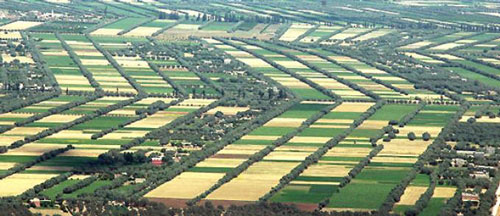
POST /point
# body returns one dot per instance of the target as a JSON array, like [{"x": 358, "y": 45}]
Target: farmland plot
[
  {"x": 62, "y": 66},
  {"x": 387, "y": 78},
  {"x": 186, "y": 79},
  {"x": 51, "y": 121},
  {"x": 373, "y": 35},
  {"x": 108, "y": 77},
  {"x": 320, "y": 181},
  {"x": 298, "y": 87},
  {"x": 21, "y": 114},
  {"x": 261, "y": 176},
  {"x": 319, "y": 33},
  {"x": 463, "y": 42},
  {"x": 348, "y": 33},
  {"x": 149, "y": 28},
  {"x": 215, "y": 167},
  {"x": 118, "y": 26},
  {"x": 295, "y": 31},
  {"x": 20, "y": 25},
  {"x": 140, "y": 71},
  {"x": 329, "y": 83},
  {"x": 392, "y": 163}
]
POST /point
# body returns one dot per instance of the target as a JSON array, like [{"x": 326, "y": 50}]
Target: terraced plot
[
  {"x": 373, "y": 35},
  {"x": 107, "y": 76},
  {"x": 463, "y": 42},
  {"x": 186, "y": 79},
  {"x": 295, "y": 31},
  {"x": 147, "y": 78},
  {"x": 62, "y": 66},
  {"x": 118, "y": 26},
  {"x": 320, "y": 181},
  {"x": 149, "y": 28},
  {"x": 29, "y": 111},
  {"x": 298, "y": 87},
  {"x": 348, "y": 33},
  {"x": 371, "y": 186},
  {"x": 208, "y": 172},
  {"x": 321, "y": 32},
  {"x": 51, "y": 121},
  {"x": 321, "y": 79},
  {"x": 385, "y": 77}
]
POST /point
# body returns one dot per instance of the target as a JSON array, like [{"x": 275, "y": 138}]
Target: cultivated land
[{"x": 256, "y": 107}]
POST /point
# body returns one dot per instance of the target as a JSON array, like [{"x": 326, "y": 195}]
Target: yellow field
[
  {"x": 10, "y": 35},
  {"x": 254, "y": 182},
  {"x": 20, "y": 25},
  {"x": 285, "y": 122},
  {"x": 241, "y": 149},
  {"x": 106, "y": 31},
  {"x": 295, "y": 31},
  {"x": 255, "y": 62},
  {"x": 416, "y": 45},
  {"x": 34, "y": 149},
  {"x": 411, "y": 195},
  {"x": 221, "y": 162},
  {"x": 59, "y": 118},
  {"x": 185, "y": 186},
  {"x": 374, "y": 34},
  {"x": 444, "y": 192},
  {"x": 227, "y": 110},
  {"x": 142, "y": 32},
  {"x": 353, "y": 107},
  {"x": 21, "y": 59},
  {"x": 18, "y": 183}
]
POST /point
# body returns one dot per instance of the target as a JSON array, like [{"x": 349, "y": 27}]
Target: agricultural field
[{"x": 219, "y": 107}]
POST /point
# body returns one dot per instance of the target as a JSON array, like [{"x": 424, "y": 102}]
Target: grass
[
  {"x": 474, "y": 76},
  {"x": 304, "y": 193},
  {"x": 433, "y": 206},
  {"x": 89, "y": 189},
  {"x": 369, "y": 189},
  {"x": 58, "y": 189}
]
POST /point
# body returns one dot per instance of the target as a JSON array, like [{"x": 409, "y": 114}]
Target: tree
[
  {"x": 411, "y": 136},
  {"x": 426, "y": 136}
]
